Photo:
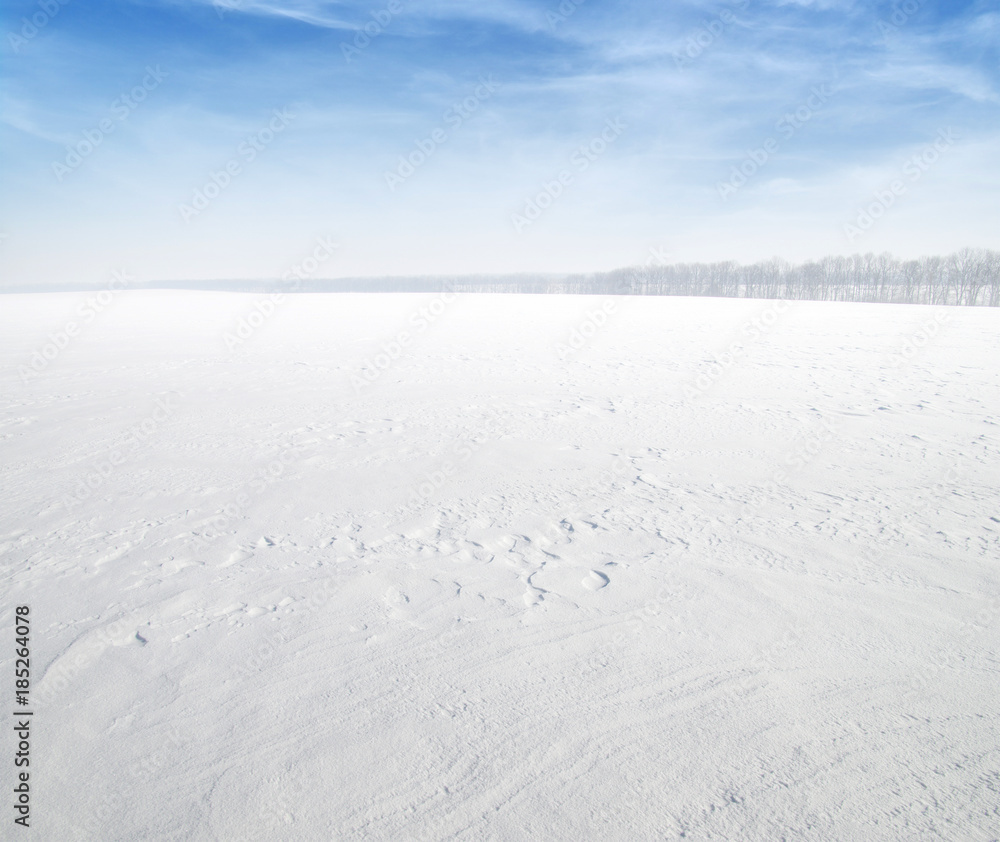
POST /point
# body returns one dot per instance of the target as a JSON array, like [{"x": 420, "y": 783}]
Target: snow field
[{"x": 420, "y": 567}]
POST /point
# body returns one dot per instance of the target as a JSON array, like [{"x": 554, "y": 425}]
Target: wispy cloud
[{"x": 699, "y": 85}]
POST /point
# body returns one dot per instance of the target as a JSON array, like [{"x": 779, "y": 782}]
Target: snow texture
[{"x": 411, "y": 567}]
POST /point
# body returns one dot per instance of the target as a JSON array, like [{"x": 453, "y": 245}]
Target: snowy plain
[{"x": 727, "y": 570}]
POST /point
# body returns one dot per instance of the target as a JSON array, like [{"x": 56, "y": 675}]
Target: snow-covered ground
[{"x": 398, "y": 567}]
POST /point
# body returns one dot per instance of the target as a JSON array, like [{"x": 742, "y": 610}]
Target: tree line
[{"x": 969, "y": 277}]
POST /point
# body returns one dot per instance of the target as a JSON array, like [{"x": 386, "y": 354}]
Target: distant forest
[{"x": 969, "y": 277}]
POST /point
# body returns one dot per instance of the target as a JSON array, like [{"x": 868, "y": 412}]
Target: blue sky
[{"x": 561, "y": 136}]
